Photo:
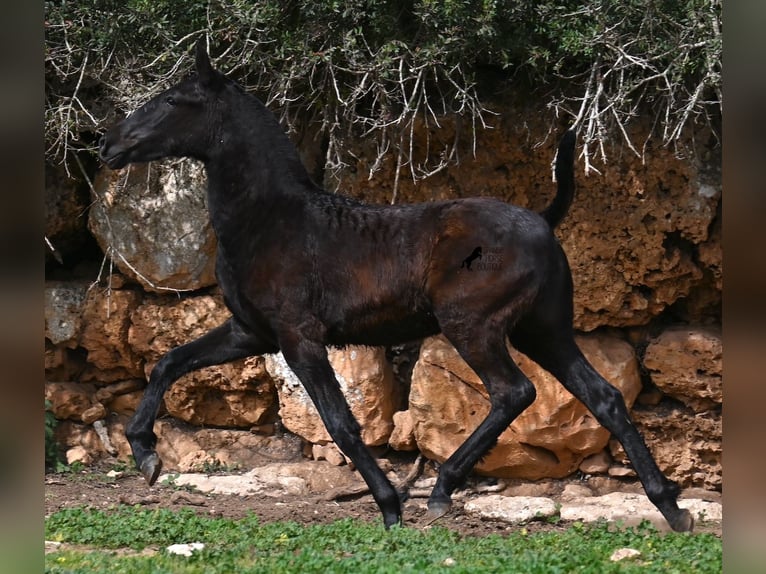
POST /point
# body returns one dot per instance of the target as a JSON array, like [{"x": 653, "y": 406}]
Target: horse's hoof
[
  {"x": 390, "y": 521},
  {"x": 150, "y": 468},
  {"x": 437, "y": 509},
  {"x": 683, "y": 521}
]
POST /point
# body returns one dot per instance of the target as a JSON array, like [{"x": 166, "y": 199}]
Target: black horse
[{"x": 302, "y": 269}]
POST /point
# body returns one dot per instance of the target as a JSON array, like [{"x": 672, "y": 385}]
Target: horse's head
[{"x": 176, "y": 123}]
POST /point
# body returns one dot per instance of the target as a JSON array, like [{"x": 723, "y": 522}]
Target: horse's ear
[{"x": 208, "y": 77}]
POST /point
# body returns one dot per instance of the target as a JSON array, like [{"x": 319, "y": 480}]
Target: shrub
[{"x": 376, "y": 68}]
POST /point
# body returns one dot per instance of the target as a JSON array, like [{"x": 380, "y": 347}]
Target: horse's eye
[{"x": 170, "y": 100}]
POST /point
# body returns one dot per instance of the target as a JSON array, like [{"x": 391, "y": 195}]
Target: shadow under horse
[{"x": 302, "y": 269}]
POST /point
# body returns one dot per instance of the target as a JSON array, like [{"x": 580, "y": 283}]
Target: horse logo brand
[
  {"x": 476, "y": 254},
  {"x": 483, "y": 259}
]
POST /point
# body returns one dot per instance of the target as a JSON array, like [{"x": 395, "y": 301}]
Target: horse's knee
[
  {"x": 164, "y": 369},
  {"x": 513, "y": 399}
]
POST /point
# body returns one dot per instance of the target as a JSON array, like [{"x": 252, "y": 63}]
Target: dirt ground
[{"x": 94, "y": 487}]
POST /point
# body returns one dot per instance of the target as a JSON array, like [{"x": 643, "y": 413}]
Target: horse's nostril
[{"x": 102, "y": 142}]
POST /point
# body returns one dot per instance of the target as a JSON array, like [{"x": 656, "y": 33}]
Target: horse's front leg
[
  {"x": 309, "y": 362},
  {"x": 225, "y": 343}
]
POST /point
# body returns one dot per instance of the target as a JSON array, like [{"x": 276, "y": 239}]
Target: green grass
[{"x": 115, "y": 538}]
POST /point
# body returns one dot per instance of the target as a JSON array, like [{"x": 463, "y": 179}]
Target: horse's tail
[{"x": 558, "y": 208}]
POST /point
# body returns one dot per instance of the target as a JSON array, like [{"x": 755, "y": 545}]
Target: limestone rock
[
  {"x": 109, "y": 392},
  {"x": 78, "y": 454},
  {"x": 64, "y": 302},
  {"x": 596, "y": 463},
  {"x": 367, "y": 382},
  {"x": 631, "y": 509},
  {"x": 328, "y": 452},
  {"x": 106, "y": 320},
  {"x": 686, "y": 446},
  {"x": 178, "y": 444},
  {"x": 618, "y": 471},
  {"x": 69, "y": 400},
  {"x": 211, "y": 398},
  {"x": 512, "y": 509},
  {"x": 275, "y": 479},
  {"x": 125, "y": 404},
  {"x": 161, "y": 323},
  {"x": 624, "y": 554},
  {"x": 575, "y": 491},
  {"x": 93, "y": 414},
  {"x": 686, "y": 363},
  {"x": 550, "y": 439},
  {"x": 152, "y": 219},
  {"x": 403, "y": 435},
  {"x": 239, "y": 394}
]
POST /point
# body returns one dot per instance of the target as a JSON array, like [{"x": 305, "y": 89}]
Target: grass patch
[{"x": 117, "y": 537}]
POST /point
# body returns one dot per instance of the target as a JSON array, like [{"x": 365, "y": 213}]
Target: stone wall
[{"x": 644, "y": 243}]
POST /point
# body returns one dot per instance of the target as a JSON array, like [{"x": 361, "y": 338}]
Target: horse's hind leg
[
  {"x": 225, "y": 343},
  {"x": 560, "y": 355},
  {"x": 510, "y": 392}
]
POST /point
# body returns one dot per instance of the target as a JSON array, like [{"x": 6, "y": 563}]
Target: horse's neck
[
  {"x": 249, "y": 197},
  {"x": 254, "y": 156},
  {"x": 255, "y": 176}
]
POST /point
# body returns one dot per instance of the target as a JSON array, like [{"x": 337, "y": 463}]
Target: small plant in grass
[
  {"x": 215, "y": 466},
  {"x": 52, "y": 460},
  {"x": 170, "y": 480}
]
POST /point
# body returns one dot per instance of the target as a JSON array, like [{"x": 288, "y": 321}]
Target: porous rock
[
  {"x": 550, "y": 439},
  {"x": 69, "y": 400},
  {"x": 686, "y": 363},
  {"x": 687, "y": 446},
  {"x": 106, "y": 320},
  {"x": 64, "y": 302}
]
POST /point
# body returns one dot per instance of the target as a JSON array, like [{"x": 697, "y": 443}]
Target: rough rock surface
[
  {"x": 513, "y": 509},
  {"x": 686, "y": 363},
  {"x": 64, "y": 303},
  {"x": 551, "y": 438},
  {"x": 69, "y": 400},
  {"x": 616, "y": 507},
  {"x": 275, "y": 479},
  {"x": 367, "y": 382},
  {"x": 106, "y": 321},
  {"x": 185, "y": 448},
  {"x": 152, "y": 219},
  {"x": 403, "y": 435},
  {"x": 239, "y": 394},
  {"x": 631, "y": 509},
  {"x": 686, "y": 446}
]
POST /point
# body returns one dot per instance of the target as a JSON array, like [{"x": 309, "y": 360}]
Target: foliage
[
  {"x": 51, "y": 446},
  {"x": 378, "y": 68},
  {"x": 246, "y": 545}
]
